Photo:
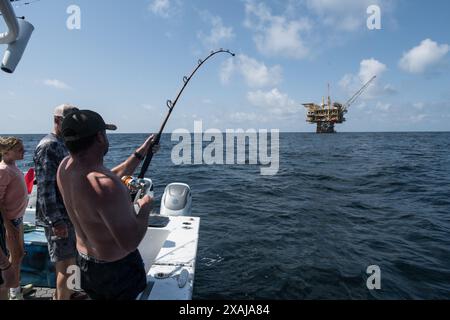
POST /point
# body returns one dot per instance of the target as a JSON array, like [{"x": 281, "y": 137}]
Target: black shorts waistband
[{"x": 88, "y": 258}]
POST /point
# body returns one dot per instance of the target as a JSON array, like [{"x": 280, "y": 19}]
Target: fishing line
[{"x": 171, "y": 105}]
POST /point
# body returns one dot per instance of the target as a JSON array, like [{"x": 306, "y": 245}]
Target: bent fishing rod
[{"x": 171, "y": 105}]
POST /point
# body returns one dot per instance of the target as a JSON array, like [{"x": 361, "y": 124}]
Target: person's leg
[
  {"x": 63, "y": 254},
  {"x": 3, "y": 290},
  {"x": 15, "y": 246},
  {"x": 62, "y": 291},
  {"x": 4, "y": 293}
]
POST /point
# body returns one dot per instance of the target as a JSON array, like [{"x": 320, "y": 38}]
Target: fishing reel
[{"x": 138, "y": 188}]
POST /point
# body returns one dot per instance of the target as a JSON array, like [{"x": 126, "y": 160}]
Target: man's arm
[
  {"x": 117, "y": 212},
  {"x": 128, "y": 167},
  {"x": 4, "y": 181},
  {"x": 4, "y": 262},
  {"x": 3, "y": 258}
]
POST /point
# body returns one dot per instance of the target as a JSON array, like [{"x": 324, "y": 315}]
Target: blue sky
[{"x": 129, "y": 57}]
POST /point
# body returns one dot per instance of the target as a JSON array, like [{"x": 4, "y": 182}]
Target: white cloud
[
  {"x": 227, "y": 70},
  {"x": 305, "y": 28},
  {"x": 274, "y": 102},
  {"x": 423, "y": 57},
  {"x": 160, "y": 7},
  {"x": 346, "y": 15},
  {"x": 276, "y": 35},
  {"x": 149, "y": 107},
  {"x": 389, "y": 89},
  {"x": 218, "y": 34},
  {"x": 360, "y": 105},
  {"x": 248, "y": 116},
  {"x": 368, "y": 68},
  {"x": 419, "y": 105},
  {"x": 383, "y": 106},
  {"x": 165, "y": 8},
  {"x": 418, "y": 118},
  {"x": 58, "y": 84},
  {"x": 255, "y": 73}
]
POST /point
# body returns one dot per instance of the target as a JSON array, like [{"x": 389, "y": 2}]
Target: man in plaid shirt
[{"x": 50, "y": 211}]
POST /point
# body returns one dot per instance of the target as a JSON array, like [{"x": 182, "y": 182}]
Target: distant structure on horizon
[{"x": 325, "y": 116}]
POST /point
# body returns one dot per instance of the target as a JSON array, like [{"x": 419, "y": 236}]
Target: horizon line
[{"x": 303, "y": 132}]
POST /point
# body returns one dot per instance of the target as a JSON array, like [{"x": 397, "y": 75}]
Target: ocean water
[{"x": 338, "y": 204}]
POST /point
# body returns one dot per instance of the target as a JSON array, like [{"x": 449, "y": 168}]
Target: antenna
[{"x": 329, "y": 99}]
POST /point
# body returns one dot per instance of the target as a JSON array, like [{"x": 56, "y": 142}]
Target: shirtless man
[{"x": 108, "y": 231}]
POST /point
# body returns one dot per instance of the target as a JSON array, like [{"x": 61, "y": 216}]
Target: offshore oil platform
[{"x": 325, "y": 116}]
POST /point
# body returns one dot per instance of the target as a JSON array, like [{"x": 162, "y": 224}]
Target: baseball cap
[
  {"x": 63, "y": 110},
  {"x": 82, "y": 124}
]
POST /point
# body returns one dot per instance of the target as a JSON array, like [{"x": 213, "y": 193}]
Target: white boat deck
[{"x": 172, "y": 273}]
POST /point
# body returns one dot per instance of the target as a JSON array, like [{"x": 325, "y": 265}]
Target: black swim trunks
[{"x": 120, "y": 280}]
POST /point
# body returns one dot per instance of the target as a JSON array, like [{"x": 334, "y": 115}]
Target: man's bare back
[{"x": 100, "y": 208}]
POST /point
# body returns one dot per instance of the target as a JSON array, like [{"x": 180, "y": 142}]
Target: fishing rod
[{"x": 171, "y": 105}]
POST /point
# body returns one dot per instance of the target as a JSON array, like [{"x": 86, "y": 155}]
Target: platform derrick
[{"x": 328, "y": 114}]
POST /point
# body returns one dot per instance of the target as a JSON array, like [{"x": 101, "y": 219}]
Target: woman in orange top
[{"x": 13, "y": 203}]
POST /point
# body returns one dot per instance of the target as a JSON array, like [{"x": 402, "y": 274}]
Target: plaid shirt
[{"x": 48, "y": 155}]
